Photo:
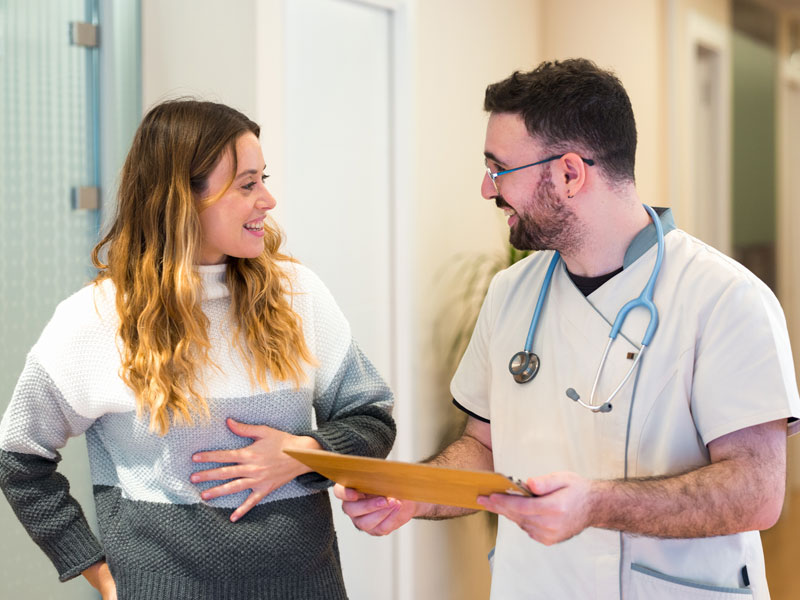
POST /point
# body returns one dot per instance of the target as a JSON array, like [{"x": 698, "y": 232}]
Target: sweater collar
[{"x": 213, "y": 278}]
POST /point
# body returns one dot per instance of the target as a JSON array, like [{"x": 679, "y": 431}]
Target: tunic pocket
[{"x": 647, "y": 584}]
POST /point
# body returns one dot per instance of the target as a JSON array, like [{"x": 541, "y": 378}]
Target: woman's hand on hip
[{"x": 100, "y": 577}]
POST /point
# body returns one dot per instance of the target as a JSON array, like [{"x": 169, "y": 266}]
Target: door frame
[{"x": 705, "y": 34}]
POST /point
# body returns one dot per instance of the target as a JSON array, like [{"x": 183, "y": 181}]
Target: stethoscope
[{"x": 524, "y": 365}]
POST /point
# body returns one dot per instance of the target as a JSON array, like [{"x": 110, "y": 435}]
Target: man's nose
[{"x": 488, "y": 190}]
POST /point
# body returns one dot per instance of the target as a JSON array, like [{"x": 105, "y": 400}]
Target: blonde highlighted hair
[{"x": 151, "y": 250}]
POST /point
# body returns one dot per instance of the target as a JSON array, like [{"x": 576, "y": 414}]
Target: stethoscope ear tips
[{"x": 523, "y": 366}]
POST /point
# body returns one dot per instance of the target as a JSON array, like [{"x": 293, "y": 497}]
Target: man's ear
[{"x": 572, "y": 174}]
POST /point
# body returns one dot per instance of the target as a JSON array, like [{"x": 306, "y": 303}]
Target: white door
[{"x": 338, "y": 201}]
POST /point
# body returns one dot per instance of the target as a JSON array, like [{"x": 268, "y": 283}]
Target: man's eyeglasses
[{"x": 494, "y": 176}]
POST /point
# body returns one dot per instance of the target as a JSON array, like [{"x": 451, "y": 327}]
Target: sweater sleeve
[
  {"x": 354, "y": 414},
  {"x": 37, "y": 423},
  {"x": 352, "y": 403}
]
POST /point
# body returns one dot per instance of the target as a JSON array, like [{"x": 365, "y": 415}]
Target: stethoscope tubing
[
  {"x": 645, "y": 299},
  {"x": 540, "y": 302}
]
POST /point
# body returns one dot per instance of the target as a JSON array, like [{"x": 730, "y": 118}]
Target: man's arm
[
  {"x": 377, "y": 515},
  {"x": 741, "y": 490}
]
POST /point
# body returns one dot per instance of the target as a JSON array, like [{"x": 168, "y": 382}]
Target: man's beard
[{"x": 547, "y": 224}]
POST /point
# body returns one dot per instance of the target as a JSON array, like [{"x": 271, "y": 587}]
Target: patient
[{"x": 197, "y": 334}]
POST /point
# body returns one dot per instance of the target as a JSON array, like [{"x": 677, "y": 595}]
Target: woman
[{"x": 196, "y": 329}]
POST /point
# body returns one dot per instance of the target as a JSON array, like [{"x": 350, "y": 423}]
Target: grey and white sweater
[{"x": 161, "y": 540}]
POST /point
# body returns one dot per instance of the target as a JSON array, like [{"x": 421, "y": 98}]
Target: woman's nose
[{"x": 266, "y": 200}]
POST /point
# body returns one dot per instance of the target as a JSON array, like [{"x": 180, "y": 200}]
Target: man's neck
[{"x": 609, "y": 228}]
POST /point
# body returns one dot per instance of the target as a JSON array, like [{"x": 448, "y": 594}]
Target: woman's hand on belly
[{"x": 260, "y": 467}]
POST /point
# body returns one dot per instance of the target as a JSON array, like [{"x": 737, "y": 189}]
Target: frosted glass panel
[{"x": 44, "y": 244}]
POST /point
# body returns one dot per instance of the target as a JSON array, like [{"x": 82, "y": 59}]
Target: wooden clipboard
[{"x": 409, "y": 481}]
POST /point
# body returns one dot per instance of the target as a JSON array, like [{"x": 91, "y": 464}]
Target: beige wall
[
  {"x": 460, "y": 48},
  {"x": 199, "y": 48},
  {"x": 644, "y": 42},
  {"x": 626, "y": 36}
]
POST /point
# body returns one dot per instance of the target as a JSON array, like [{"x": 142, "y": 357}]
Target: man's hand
[
  {"x": 261, "y": 467},
  {"x": 560, "y": 510},
  {"x": 375, "y": 515},
  {"x": 741, "y": 489}
]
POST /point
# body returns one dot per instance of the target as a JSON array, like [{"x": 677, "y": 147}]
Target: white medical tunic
[{"x": 720, "y": 361}]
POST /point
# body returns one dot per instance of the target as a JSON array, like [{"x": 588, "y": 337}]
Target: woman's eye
[{"x": 249, "y": 186}]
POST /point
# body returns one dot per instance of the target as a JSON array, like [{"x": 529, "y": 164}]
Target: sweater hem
[{"x": 324, "y": 583}]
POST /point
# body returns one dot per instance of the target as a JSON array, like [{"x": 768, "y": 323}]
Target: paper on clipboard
[{"x": 408, "y": 481}]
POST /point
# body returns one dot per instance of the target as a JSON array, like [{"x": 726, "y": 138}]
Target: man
[{"x": 660, "y": 490}]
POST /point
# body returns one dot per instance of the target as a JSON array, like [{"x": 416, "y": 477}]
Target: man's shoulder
[
  {"x": 533, "y": 265},
  {"x": 696, "y": 262}
]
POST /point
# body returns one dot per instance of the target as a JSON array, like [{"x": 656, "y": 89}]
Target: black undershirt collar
[{"x": 589, "y": 284}]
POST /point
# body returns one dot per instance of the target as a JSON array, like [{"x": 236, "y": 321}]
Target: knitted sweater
[{"x": 161, "y": 540}]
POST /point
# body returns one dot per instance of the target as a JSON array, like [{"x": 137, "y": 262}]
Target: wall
[
  {"x": 678, "y": 15},
  {"x": 458, "y": 53},
  {"x": 626, "y": 36},
  {"x": 199, "y": 47}
]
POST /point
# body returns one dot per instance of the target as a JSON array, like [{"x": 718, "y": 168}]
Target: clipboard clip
[{"x": 521, "y": 488}]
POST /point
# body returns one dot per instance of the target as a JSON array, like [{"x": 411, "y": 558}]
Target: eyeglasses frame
[{"x": 494, "y": 176}]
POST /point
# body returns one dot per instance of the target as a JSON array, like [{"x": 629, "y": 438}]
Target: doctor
[{"x": 653, "y": 471}]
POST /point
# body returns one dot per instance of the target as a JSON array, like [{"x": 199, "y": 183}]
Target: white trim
[
  {"x": 403, "y": 191},
  {"x": 705, "y": 33}
]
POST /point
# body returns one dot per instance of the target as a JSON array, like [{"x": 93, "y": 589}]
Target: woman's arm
[{"x": 37, "y": 423}]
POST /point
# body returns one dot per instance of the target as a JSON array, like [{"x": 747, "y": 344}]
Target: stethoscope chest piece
[{"x": 523, "y": 366}]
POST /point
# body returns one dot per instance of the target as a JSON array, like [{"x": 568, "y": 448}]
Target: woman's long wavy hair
[{"x": 151, "y": 251}]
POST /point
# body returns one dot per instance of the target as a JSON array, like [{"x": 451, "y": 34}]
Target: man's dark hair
[{"x": 573, "y": 103}]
